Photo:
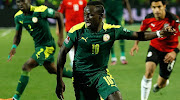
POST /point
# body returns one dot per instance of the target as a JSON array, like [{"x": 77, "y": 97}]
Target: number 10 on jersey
[{"x": 95, "y": 48}]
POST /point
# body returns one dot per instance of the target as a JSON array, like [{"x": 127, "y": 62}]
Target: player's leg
[
  {"x": 113, "y": 57},
  {"x": 24, "y": 78},
  {"x": 151, "y": 63},
  {"x": 165, "y": 72},
  {"x": 123, "y": 57},
  {"x": 51, "y": 68}
]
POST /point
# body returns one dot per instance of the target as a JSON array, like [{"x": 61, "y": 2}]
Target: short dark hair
[
  {"x": 164, "y": 2},
  {"x": 98, "y": 5}
]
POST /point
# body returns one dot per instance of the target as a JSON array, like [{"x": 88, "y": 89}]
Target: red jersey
[
  {"x": 165, "y": 44},
  {"x": 74, "y": 12}
]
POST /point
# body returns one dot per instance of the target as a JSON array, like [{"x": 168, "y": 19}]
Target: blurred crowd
[
  {"x": 55, "y": 3},
  {"x": 12, "y": 3}
]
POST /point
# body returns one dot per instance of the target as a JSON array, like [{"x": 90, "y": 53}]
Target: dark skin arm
[
  {"x": 129, "y": 10},
  {"x": 60, "y": 27},
  {"x": 16, "y": 41},
  {"x": 60, "y": 88}
]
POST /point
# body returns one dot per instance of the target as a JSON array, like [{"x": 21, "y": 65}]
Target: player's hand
[
  {"x": 135, "y": 47},
  {"x": 60, "y": 42},
  {"x": 60, "y": 88},
  {"x": 167, "y": 31},
  {"x": 170, "y": 57},
  {"x": 11, "y": 54}
]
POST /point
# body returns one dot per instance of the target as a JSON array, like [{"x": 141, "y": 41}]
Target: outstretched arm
[
  {"x": 60, "y": 88},
  {"x": 60, "y": 27},
  {"x": 16, "y": 41}
]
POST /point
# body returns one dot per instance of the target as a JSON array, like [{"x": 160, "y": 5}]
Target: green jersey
[
  {"x": 92, "y": 49},
  {"x": 36, "y": 24},
  {"x": 114, "y": 8}
]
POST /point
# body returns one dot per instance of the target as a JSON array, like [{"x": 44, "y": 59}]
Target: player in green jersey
[
  {"x": 34, "y": 20},
  {"x": 114, "y": 15},
  {"x": 93, "y": 40}
]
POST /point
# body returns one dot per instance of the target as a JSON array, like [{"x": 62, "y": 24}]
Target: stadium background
[{"x": 42, "y": 85}]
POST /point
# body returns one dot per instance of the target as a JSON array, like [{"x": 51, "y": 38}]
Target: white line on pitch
[{"x": 6, "y": 33}]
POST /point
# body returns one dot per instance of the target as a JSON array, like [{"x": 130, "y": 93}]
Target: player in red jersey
[
  {"x": 74, "y": 14},
  {"x": 161, "y": 51}
]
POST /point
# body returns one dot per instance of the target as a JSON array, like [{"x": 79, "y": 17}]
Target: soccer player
[
  {"x": 114, "y": 15},
  {"x": 34, "y": 20},
  {"x": 93, "y": 40},
  {"x": 162, "y": 51},
  {"x": 74, "y": 14}
]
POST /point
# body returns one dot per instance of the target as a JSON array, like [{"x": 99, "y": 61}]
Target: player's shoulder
[
  {"x": 151, "y": 15},
  {"x": 77, "y": 27},
  {"x": 41, "y": 8},
  {"x": 171, "y": 16},
  {"x": 18, "y": 13},
  {"x": 110, "y": 26}
]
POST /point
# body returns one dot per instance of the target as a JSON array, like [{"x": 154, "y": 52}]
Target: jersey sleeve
[
  {"x": 143, "y": 26},
  {"x": 18, "y": 25},
  {"x": 70, "y": 39},
  {"x": 122, "y": 33}
]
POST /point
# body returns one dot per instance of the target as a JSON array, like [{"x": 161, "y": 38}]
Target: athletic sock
[
  {"x": 122, "y": 46},
  {"x": 112, "y": 52},
  {"x": 71, "y": 55},
  {"x": 23, "y": 81},
  {"x": 145, "y": 88},
  {"x": 67, "y": 73}
]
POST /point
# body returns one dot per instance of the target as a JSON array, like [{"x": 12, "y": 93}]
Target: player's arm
[
  {"x": 16, "y": 41},
  {"x": 129, "y": 10},
  {"x": 59, "y": 27},
  {"x": 60, "y": 88}
]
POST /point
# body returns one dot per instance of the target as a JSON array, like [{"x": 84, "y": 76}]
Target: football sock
[
  {"x": 145, "y": 88},
  {"x": 112, "y": 52},
  {"x": 67, "y": 73},
  {"x": 23, "y": 81},
  {"x": 122, "y": 46},
  {"x": 71, "y": 55}
]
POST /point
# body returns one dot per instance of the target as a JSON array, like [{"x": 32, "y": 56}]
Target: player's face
[
  {"x": 158, "y": 9},
  {"x": 92, "y": 17},
  {"x": 23, "y": 5}
]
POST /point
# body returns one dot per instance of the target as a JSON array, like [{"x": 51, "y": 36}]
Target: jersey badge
[
  {"x": 106, "y": 37},
  {"x": 80, "y": 2},
  {"x": 35, "y": 19},
  {"x": 67, "y": 40},
  {"x": 85, "y": 39},
  {"x": 166, "y": 24}
]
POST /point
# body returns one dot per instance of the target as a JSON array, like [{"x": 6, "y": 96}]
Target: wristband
[
  {"x": 158, "y": 34},
  {"x": 176, "y": 50},
  {"x": 13, "y": 46}
]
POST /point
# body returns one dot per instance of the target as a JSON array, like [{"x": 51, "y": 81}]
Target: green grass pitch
[{"x": 42, "y": 85}]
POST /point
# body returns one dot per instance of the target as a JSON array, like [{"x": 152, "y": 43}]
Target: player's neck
[{"x": 98, "y": 28}]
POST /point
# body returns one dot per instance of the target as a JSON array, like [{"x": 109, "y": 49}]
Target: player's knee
[
  {"x": 115, "y": 96},
  {"x": 28, "y": 66},
  {"x": 51, "y": 71},
  {"x": 149, "y": 74}
]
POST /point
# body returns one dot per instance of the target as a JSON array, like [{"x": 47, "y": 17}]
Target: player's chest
[{"x": 158, "y": 25}]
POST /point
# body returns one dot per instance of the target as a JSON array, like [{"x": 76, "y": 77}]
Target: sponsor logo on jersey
[
  {"x": 85, "y": 39},
  {"x": 149, "y": 54},
  {"x": 67, "y": 40},
  {"x": 106, "y": 37},
  {"x": 35, "y": 19},
  {"x": 153, "y": 25}
]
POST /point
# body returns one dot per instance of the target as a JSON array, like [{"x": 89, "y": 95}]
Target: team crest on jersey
[
  {"x": 35, "y": 19},
  {"x": 106, "y": 37},
  {"x": 67, "y": 40},
  {"x": 165, "y": 25}
]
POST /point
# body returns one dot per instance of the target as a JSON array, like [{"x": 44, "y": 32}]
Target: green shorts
[
  {"x": 44, "y": 53},
  {"x": 102, "y": 85}
]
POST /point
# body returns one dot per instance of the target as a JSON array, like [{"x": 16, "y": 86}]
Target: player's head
[
  {"x": 23, "y": 5},
  {"x": 159, "y": 8},
  {"x": 93, "y": 14}
]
